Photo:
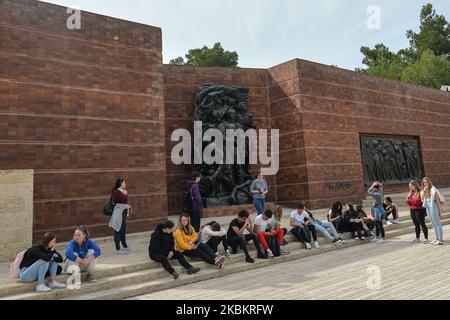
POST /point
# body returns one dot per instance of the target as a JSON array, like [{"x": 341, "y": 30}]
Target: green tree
[
  {"x": 209, "y": 57},
  {"x": 429, "y": 50},
  {"x": 430, "y": 71}
]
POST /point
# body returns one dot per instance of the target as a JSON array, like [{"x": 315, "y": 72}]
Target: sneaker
[
  {"x": 415, "y": 241},
  {"x": 269, "y": 254},
  {"x": 308, "y": 246},
  {"x": 283, "y": 251},
  {"x": 316, "y": 245},
  {"x": 380, "y": 241},
  {"x": 439, "y": 243},
  {"x": 217, "y": 254},
  {"x": 433, "y": 242},
  {"x": 389, "y": 223},
  {"x": 227, "y": 253},
  {"x": 121, "y": 252},
  {"x": 91, "y": 278},
  {"x": 356, "y": 239},
  {"x": 249, "y": 260},
  {"x": 56, "y": 285},
  {"x": 220, "y": 266},
  {"x": 193, "y": 270},
  {"x": 42, "y": 288},
  {"x": 175, "y": 275},
  {"x": 426, "y": 241},
  {"x": 374, "y": 240},
  {"x": 337, "y": 241},
  {"x": 363, "y": 238},
  {"x": 127, "y": 250},
  {"x": 219, "y": 260},
  {"x": 262, "y": 256},
  {"x": 342, "y": 240},
  {"x": 396, "y": 222}
]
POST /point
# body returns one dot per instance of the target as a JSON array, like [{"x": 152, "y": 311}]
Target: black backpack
[
  {"x": 274, "y": 246},
  {"x": 187, "y": 201}
]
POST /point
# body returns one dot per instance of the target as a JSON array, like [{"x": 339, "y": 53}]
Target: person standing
[
  {"x": 433, "y": 202},
  {"x": 417, "y": 211},
  {"x": 122, "y": 210},
  {"x": 259, "y": 190},
  {"x": 196, "y": 208},
  {"x": 376, "y": 191}
]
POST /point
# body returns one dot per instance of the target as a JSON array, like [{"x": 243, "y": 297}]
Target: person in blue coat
[{"x": 82, "y": 252}]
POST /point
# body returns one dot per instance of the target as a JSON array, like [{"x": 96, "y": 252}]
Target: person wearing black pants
[
  {"x": 354, "y": 222},
  {"x": 118, "y": 221},
  {"x": 196, "y": 208},
  {"x": 418, "y": 212},
  {"x": 162, "y": 249},
  {"x": 236, "y": 237},
  {"x": 303, "y": 227},
  {"x": 213, "y": 235}
]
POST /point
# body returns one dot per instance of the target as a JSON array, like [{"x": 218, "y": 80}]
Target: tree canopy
[{"x": 208, "y": 57}]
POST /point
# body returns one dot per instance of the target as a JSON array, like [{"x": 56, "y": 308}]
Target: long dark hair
[
  {"x": 214, "y": 226},
  {"x": 46, "y": 239},
  {"x": 336, "y": 209},
  {"x": 117, "y": 183}
]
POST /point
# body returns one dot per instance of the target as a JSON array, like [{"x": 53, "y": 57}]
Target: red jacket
[{"x": 414, "y": 202}]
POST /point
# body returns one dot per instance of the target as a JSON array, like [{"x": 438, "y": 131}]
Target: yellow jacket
[{"x": 182, "y": 240}]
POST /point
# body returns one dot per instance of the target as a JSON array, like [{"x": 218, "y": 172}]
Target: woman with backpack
[
  {"x": 118, "y": 221},
  {"x": 39, "y": 261},
  {"x": 186, "y": 242},
  {"x": 212, "y": 235}
]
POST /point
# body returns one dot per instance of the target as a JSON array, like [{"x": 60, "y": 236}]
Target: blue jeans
[
  {"x": 259, "y": 204},
  {"x": 378, "y": 212},
  {"x": 37, "y": 271},
  {"x": 433, "y": 214}
]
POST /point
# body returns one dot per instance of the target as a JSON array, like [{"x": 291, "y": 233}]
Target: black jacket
[
  {"x": 161, "y": 243},
  {"x": 36, "y": 253}
]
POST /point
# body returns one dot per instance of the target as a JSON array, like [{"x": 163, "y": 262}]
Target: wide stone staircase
[{"x": 125, "y": 276}]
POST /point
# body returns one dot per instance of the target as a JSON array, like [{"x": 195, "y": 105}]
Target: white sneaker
[
  {"x": 415, "y": 241},
  {"x": 389, "y": 223},
  {"x": 363, "y": 238},
  {"x": 380, "y": 241},
  {"x": 227, "y": 253},
  {"x": 374, "y": 240},
  {"x": 316, "y": 245},
  {"x": 42, "y": 288},
  {"x": 283, "y": 251},
  {"x": 269, "y": 254},
  {"x": 308, "y": 246},
  {"x": 56, "y": 285},
  {"x": 396, "y": 222},
  {"x": 434, "y": 242},
  {"x": 356, "y": 239}
]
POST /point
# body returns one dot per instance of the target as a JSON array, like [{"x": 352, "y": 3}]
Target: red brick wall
[
  {"x": 81, "y": 108},
  {"x": 180, "y": 89},
  {"x": 338, "y": 105}
]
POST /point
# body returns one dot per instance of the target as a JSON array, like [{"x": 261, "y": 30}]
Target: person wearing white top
[
  {"x": 302, "y": 227},
  {"x": 264, "y": 231},
  {"x": 433, "y": 202}
]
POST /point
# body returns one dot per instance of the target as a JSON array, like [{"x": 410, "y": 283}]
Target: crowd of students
[{"x": 265, "y": 232}]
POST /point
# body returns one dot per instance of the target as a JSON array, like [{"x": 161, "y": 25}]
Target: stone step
[
  {"x": 162, "y": 284},
  {"x": 105, "y": 270},
  {"x": 149, "y": 277}
]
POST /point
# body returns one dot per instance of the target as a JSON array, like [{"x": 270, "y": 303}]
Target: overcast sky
[{"x": 268, "y": 32}]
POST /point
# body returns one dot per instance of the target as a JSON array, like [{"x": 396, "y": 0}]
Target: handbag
[{"x": 109, "y": 208}]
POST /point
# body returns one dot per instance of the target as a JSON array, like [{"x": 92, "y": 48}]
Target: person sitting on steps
[
  {"x": 354, "y": 222},
  {"x": 302, "y": 227},
  {"x": 40, "y": 260},
  {"x": 82, "y": 252},
  {"x": 390, "y": 208},
  {"x": 212, "y": 235},
  {"x": 276, "y": 221},
  {"x": 327, "y": 229},
  {"x": 264, "y": 231},
  {"x": 162, "y": 249},
  {"x": 186, "y": 242},
  {"x": 236, "y": 236}
]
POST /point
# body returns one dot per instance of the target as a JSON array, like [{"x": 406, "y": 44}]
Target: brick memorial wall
[{"x": 81, "y": 107}]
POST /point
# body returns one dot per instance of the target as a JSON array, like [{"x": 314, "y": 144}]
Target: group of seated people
[
  {"x": 357, "y": 221},
  {"x": 169, "y": 242},
  {"x": 42, "y": 260}
]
